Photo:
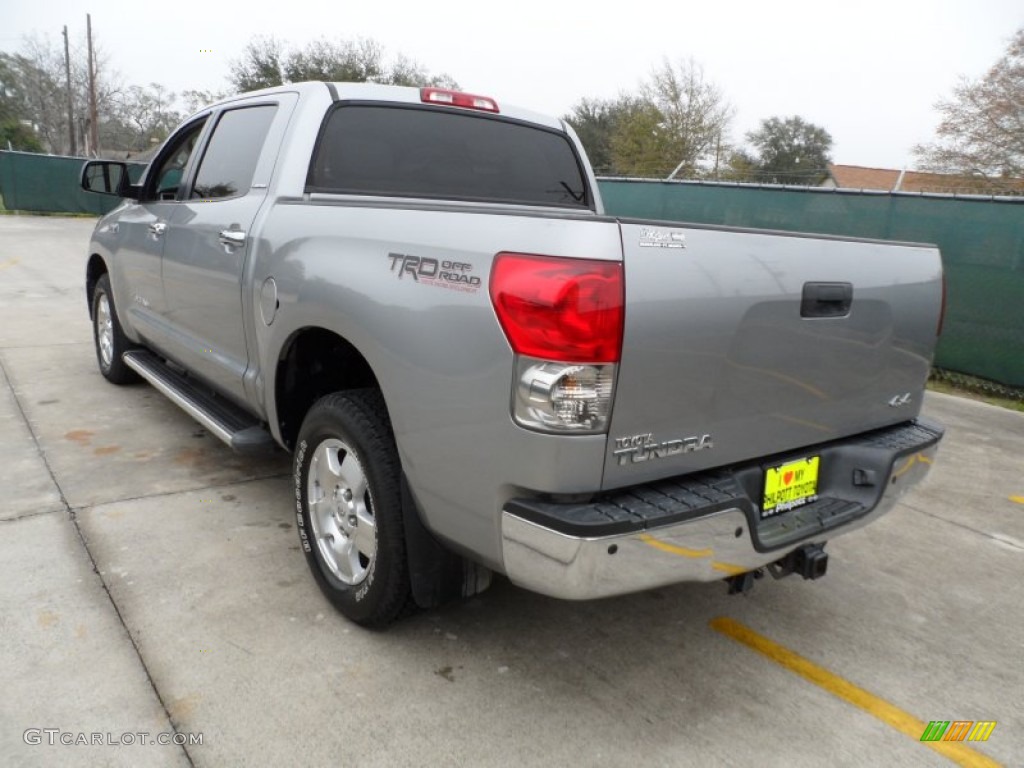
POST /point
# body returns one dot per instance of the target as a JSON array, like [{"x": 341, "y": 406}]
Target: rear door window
[
  {"x": 400, "y": 151},
  {"x": 229, "y": 161}
]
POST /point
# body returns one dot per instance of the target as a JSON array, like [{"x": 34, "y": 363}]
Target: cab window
[
  {"x": 170, "y": 171},
  {"x": 230, "y": 158},
  {"x": 402, "y": 151}
]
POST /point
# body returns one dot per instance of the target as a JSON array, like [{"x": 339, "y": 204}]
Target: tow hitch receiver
[
  {"x": 742, "y": 583},
  {"x": 810, "y": 561}
]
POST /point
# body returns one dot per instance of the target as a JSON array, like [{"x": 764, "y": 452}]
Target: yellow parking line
[
  {"x": 911, "y": 461},
  {"x": 672, "y": 549},
  {"x": 9, "y": 263},
  {"x": 1018, "y": 499},
  {"x": 889, "y": 714},
  {"x": 732, "y": 570}
]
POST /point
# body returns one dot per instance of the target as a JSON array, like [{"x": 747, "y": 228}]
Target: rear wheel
[
  {"x": 348, "y": 506},
  {"x": 110, "y": 340}
]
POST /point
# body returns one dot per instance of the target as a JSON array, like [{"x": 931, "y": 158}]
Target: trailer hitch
[{"x": 810, "y": 561}]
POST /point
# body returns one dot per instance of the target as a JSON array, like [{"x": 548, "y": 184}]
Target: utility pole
[
  {"x": 94, "y": 128},
  {"x": 72, "y": 146}
]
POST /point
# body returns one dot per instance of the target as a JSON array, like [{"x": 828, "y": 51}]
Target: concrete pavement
[{"x": 152, "y": 582}]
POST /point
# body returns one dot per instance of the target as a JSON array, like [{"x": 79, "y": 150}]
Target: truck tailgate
[{"x": 745, "y": 344}]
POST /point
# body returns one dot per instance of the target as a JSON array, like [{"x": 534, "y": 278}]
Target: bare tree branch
[{"x": 982, "y": 125}]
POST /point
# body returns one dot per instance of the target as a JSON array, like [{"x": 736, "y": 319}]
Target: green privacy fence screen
[
  {"x": 31, "y": 182},
  {"x": 981, "y": 239}
]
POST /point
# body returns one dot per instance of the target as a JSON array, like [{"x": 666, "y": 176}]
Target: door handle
[
  {"x": 157, "y": 228},
  {"x": 826, "y": 300},
  {"x": 232, "y": 238}
]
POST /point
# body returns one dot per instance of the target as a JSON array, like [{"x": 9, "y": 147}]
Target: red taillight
[
  {"x": 552, "y": 308},
  {"x": 458, "y": 99}
]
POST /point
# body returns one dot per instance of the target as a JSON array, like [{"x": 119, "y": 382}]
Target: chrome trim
[
  {"x": 705, "y": 548},
  {"x": 231, "y": 238},
  {"x": 217, "y": 429}
]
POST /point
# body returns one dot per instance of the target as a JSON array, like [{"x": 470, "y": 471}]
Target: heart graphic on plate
[{"x": 787, "y": 478}]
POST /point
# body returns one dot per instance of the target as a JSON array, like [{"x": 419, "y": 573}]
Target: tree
[
  {"x": 675, "y": 127},
  {"x": 33, "y": 89},
  {"x": 260, "y": 66},
  {"x": 739, "y": 166},
  {"x": 34, "y": 95},
  {"x": 641, "y": 145},
  {"x": 16, "y": 131},
  {"x": 791, "y": 150},
  {"x": 695, "y": 116},
  {"x": 266, "y": 62},
  {"x": 38, "y": 78},
  {"x": 406, "y": 71},
  {"x": 349, "y": 61},
  {"x": 982, "y": 125},
  {"x": 194, "y": 100},
  {"x": 596, "y": 122},
  {"x": 19, "y": 137},
  {"x": 148, "y": 114}
]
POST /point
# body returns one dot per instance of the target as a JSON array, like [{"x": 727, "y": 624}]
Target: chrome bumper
[{"x": 703, "y": 547}]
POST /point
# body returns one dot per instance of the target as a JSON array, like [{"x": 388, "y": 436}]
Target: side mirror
[{"x": 107, "y": 177}]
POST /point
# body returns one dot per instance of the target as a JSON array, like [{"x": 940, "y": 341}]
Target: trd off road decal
[{"x": 454, "y": 275}]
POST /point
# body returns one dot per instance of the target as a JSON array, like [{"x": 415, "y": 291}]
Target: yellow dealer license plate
[{"x": 789, "y": 486}]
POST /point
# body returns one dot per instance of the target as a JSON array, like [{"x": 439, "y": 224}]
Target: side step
[{"x": 224, "y": 420}]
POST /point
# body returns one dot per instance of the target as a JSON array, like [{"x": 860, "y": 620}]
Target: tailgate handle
[{"x": 826, "y": 300}]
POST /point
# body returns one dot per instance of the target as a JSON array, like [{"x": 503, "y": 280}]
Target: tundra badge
[{"x": 638, "y": 448}]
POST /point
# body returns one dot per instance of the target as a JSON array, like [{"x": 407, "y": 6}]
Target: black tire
[
  {"x": 110, "y": 341},
  {"x": 346, "y": 443}
]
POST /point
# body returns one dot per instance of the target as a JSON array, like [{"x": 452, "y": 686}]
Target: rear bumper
[{"x": 707, "y": 526}]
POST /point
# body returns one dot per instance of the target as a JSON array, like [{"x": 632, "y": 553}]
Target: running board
[{"x": 225, "y": 421}]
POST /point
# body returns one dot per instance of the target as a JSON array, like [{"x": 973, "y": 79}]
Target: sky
[{"x": 869, "y": 71}]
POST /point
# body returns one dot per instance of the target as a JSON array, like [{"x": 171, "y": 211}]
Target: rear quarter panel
[{"x": 437, "y": 350}]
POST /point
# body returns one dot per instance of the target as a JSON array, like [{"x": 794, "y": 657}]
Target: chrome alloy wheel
[
  {"x": 105, "y": 330},
  {"x": 341, "y": 511}
]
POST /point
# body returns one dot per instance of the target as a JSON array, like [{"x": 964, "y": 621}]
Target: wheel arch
[
  {"x": 94, "y": 270},
  {"x": 314, "y": 362}
]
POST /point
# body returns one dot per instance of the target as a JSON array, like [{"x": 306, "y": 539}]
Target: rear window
[{"x": 422, "y": 152}]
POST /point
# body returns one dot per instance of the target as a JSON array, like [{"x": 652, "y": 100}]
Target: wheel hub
[
  {"x": 105, "y": 329},
  {"x": 341, "y": 511}
]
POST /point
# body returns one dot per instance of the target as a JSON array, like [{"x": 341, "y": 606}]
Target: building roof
[
  {"x": 892, "y": 180},
  {"x": 859, "y": 177}
]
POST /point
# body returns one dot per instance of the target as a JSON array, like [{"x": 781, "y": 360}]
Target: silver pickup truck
[{"x": 418, "y": 293}]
